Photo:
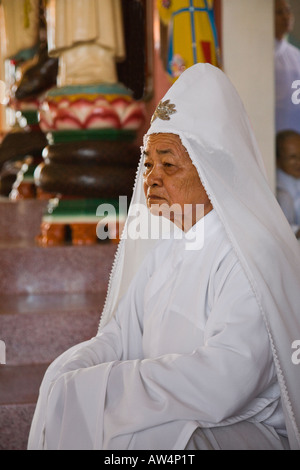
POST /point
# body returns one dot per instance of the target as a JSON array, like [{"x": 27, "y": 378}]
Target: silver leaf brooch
[{"x": 164, "y": 110}]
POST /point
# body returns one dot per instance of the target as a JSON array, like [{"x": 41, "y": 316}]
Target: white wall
[{"x": 247, "y": 49}]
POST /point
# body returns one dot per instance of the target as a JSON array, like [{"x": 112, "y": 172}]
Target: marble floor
[{"x": 50, "y": 299}]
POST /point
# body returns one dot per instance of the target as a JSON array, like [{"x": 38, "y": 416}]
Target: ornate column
[{"x": 91, "y": 118}]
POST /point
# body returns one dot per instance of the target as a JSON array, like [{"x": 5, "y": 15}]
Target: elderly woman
[{"x": 194, "y": 349}]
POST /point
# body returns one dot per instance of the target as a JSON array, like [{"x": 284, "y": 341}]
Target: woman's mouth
[{"x": 152, "y": 198}]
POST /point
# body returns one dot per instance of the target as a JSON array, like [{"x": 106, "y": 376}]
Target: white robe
[
  {"x": 288, "y": 195},
  {"x": 187, "y": 349},
  {"x": 287, "y": 72}
]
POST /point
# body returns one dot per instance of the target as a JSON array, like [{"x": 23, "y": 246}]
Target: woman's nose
[{"x": 154, "y": 176}]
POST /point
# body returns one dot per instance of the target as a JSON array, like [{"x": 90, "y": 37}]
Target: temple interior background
[{"x": 79, "y": 84}]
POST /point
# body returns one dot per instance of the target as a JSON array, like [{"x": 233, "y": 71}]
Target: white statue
[
  {"x": 20, "y": 26},
  {"x": 88, "y": 39}
]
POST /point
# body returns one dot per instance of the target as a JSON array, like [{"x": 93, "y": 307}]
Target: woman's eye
[
  {"x": 168, "y": 165},
  {"x": 147, "y": 165}
]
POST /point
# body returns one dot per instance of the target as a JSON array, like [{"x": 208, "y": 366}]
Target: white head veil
[{"x": 211, "y": 121}]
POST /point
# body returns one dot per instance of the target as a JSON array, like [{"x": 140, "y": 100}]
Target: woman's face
[
  {"x": 283, "y": 19},
  {"x": 171, "y": 180},
  {"x": 289, "y": 156}
]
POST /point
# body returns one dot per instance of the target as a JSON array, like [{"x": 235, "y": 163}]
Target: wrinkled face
[
  {"x": 283, "y": 18},
  {"x": 289, "y": 156},
  {"x": 170, "y": 179}
]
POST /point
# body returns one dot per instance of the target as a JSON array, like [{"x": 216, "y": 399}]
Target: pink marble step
[
  {"x": 20, "y": 384},
  {"x": 28, "y": 268},
  {"x": 18, "y": 394},
  {"x": 21, "y": 219},
  {"x": 15, "y": 421},
  {"x": 38, "y": 328}
]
